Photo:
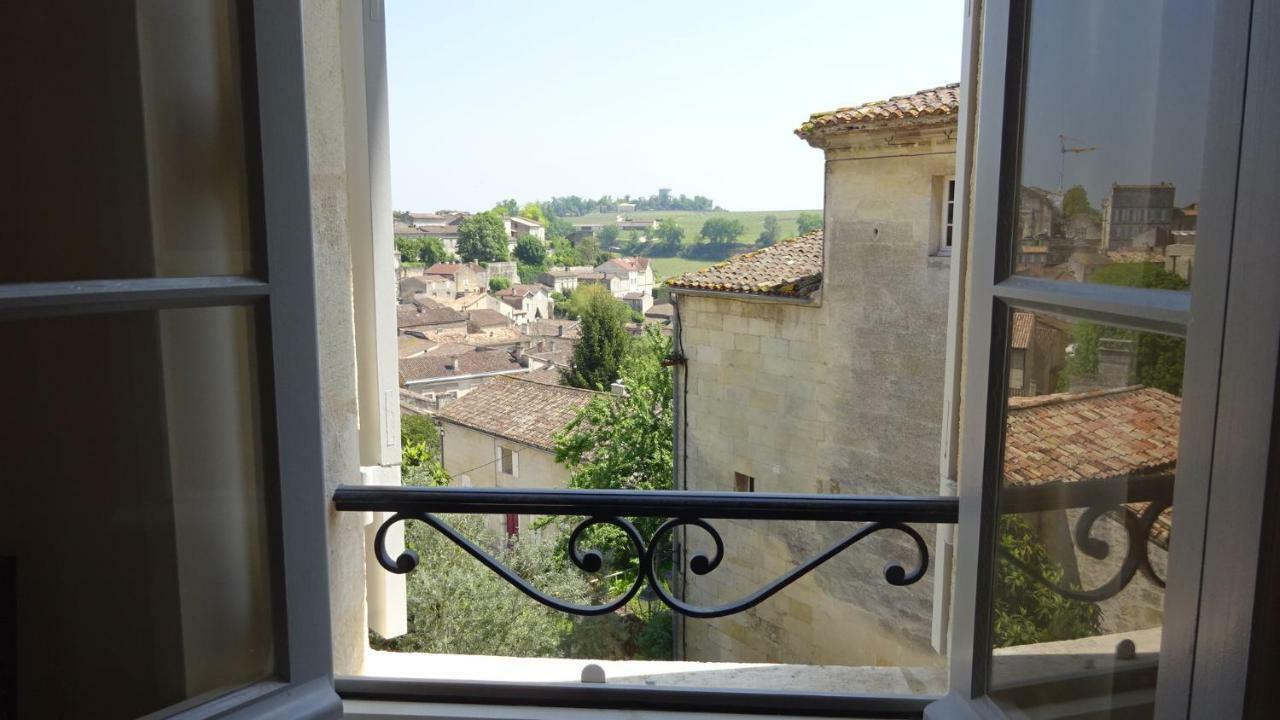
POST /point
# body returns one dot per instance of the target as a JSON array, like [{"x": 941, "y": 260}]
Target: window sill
[{"x": 940, "y": 260}]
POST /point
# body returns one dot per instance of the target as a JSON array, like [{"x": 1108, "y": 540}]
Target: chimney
[
  {"x": 560, "y": 330},
  {"x": 453, "y": 364},
  {"x": 1115, "y": 362}
]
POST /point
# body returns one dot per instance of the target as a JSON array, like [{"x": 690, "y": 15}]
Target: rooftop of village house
[
  {"x": 526, "y": 411},
  {"x": 790, "y": 268},
  {"x": 431, "y": 366},
  {"x": 926, "y": 107}
]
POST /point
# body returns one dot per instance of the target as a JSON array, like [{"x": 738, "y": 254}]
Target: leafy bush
[
  {"x": 499, "y": 284},
  {"x": 1027, "y": 612}
]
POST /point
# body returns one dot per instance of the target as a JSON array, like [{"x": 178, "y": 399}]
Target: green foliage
[
  {"x": 498, "y": 284},
  {"x": 721, "y": 230},
  {"x": 588, "y": 251},
  {"x": 529, "y": 273},
  {"x": 771, "y": 232},
  {"x": 482, "y": 237},
  {"x": 423, "y": 249},
  {"x": 808, "y": 222},
  {"x": 654, "y": 642},
  {"x": 506, "y": 208},
  {"x": 533, "y": 211},
  {"x": 1026, "y": 611},
  {"x": 609, "y": 235},
  {"x": 669, "y": 237},
  {"x": 457, "y": 605},
  {"x": 598, "y": 354},
  {"x": 558, "y": 229},
  {"x": 420, "y": 452},
  {"x": 625, "y": 442},
  {"x": 531, "y": 251},
  {"x": 1158, "y": 359},
  {"x": 1076, "y": 202}
]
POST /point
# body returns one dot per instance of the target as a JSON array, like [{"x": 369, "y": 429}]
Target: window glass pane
[
  {"x": 134, "y": 510},
  {"x": 1090, "y": 451},
  {"x": 1113, "y": 129},
  {"x": 134, "y": 167}
]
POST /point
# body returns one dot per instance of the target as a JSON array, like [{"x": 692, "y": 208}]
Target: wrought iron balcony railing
[
  {"x": 676, "y": 508},
  {"x": 1139, "y": 504}
]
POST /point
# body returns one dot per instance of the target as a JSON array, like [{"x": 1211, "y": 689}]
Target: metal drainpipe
[{"x": 680, "y": 481}]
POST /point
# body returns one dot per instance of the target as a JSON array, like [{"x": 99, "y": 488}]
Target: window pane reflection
[
  {"x": 1091, "y": 445},
  {"x": 1114, "y": 118}
]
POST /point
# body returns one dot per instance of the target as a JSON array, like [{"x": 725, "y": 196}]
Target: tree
[
  {"x": 558, "y": 228},
  {"x": 807, "y": 222},
  {"x": 588, "y": 249},
  {"x": 420, "y": 452},
  {"x": 670, "y": 237},
  {"x": 498, "y": 284},
  {"x": 507, "y": 208},
  {"x": 1076, "y": 202},
  {"x": 483, "y": 238},
  {"x": 1158, "y": 359},
  {"x": 531, "y": 251},
  {"x": 533, "y": 211},
  {"x": 770, "y": 233},
  {"x": 598, "y": 354},
  {"x": 625, "y": 443},
  {"x": 609, "y": 235},
  {"x": 721, "y": 230}
]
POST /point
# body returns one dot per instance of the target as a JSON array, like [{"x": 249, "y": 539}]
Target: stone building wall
[{"x": 841, "y": 396}]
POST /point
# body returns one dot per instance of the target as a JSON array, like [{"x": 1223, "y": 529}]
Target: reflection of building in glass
[
  {"x": 1131, "y": 210},
  {"x": 1038, "y": 214},
  {"x": 1038, "y": 346}
]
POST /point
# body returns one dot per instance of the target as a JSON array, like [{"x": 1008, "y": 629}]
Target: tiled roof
[
  {"x": 935, "y": 105},
  {"x": 450, "y": 268},
  {"x": 637, "y": 264},
  {"x": 432, "y": 366},
  {"x": 548, "y": 375},
  {"x": 526, "y": 412},
  {"x": 487, "y": 318},
  {"x": 552, "y": 328},
  {"x": 660, "y": 310},
  {"x": 1020, "y": 337},
  {"x": 408, "y": 345},
  {"x": 791, "y": 268},
  {"x": 1100, "y": 434},
  {"x": 400, "y": 228},
  {"x": 425, "y": 312}
]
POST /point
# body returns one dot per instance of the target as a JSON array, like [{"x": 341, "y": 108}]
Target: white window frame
[
  {"x": 1228, "y": 421},
  {"x": 948, "y": 199},
  {"x": 281, "y": 291}
]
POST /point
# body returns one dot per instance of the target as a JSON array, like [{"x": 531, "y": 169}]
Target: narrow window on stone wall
[
  {"x": 743, "y": 483},
  {"x": 507, "y": 461},
  {"x": 948, "y": 216}
]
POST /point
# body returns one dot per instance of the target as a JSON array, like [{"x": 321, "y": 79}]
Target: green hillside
[{"x": 692, "y": 221}]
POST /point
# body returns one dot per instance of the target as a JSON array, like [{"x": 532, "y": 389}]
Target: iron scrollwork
[
  {"x": 1139, "y": 528},
  {"x": 592, "y": 561}
]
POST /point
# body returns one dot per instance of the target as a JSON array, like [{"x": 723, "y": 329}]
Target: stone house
[
  {"x": 446, "y": 234},
  {"x": 467, "y": 277},
  {"x": 1129, "y": 210},
  {"x": 483, "y": 320},
  {"x": 518, "y": 227},
  {"x": 1038, "y": 353},
  {"x": 430, "y": 219},
  {"x": 817, "y": 365},
  {"x": 633, "y": 274},
  {"x": 502, "y": 434},
  {"x": 427, "y": 316},
  {"x": 564, "y": 280},
  {"x": 526, "y": 303},
  {"x": 437, "y": 373},
  {"x": 434, "y": 287}
]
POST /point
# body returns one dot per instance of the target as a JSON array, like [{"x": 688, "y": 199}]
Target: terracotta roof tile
[
  {"x": 426, "y": 312},
  {"x": 791, "y": 268},
  {"x": 932, "y": 106},
  {"x": 484, "y": 318},
  {"x": 521, "y": 410},
  {"x": 1023, "y": 323},
  {"x": 432, "y": 366},
  {"x": 1100, "y": 434}
]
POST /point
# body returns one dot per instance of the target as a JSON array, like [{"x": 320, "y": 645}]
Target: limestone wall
[{"x": 844, "y": 396}]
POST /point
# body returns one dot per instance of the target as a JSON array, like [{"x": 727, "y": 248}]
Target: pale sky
[{"x": 496, "y": 99}]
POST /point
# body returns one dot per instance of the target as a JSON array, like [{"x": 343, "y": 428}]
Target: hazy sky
[
  {"x": 1129, "y": 78},
  {"x": 526, "y": 99}
]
